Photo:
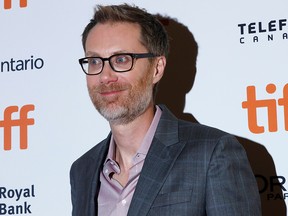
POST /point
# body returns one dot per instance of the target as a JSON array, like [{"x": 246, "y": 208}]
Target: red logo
[
  {"x": 8, "y": 4},
  {"x": 22, "y": 122},
  {"x": 252, "y": 105}
]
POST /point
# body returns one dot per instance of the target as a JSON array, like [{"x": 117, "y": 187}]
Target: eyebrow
[{"x": 91, "y": 53}]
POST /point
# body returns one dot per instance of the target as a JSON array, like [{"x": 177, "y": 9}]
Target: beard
[{"x": 122, "y": 108}]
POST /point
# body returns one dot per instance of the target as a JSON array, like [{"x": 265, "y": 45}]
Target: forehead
[{"x": 109, "y": 38}]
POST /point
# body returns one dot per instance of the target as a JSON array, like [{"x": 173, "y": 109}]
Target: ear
[{"x": 159, "y": 69}]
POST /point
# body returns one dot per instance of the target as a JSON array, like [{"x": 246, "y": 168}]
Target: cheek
[
  {"x": 91, "y": 81},
  {"x": 144, "y": 83},
  {"x": 148, "y": 76}
]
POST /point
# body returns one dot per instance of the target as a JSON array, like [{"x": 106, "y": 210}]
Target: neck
[{"x": 128, "y": 137}]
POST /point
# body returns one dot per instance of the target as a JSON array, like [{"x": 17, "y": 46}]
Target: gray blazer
[{"x": 190, "y": 169}]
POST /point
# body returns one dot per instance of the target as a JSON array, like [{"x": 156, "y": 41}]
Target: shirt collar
[{"x": 146, "y": 143}]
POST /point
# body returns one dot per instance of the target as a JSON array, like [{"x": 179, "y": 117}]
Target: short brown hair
[{"x": 153, "y": 35}]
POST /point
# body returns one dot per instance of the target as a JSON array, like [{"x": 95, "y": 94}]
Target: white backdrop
[{"x": 43, "y": 90}]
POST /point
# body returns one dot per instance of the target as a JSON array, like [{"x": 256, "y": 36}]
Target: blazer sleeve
[{"x": 231, "y": 185}]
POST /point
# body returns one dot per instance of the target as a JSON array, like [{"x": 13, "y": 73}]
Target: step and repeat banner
[{"x": 227, "y": 68}]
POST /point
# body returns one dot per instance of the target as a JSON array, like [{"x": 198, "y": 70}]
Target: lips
[
  {"x": 111, "y": 89},
  {"x": 112, "y": 92}
]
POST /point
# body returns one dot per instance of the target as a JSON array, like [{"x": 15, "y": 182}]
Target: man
[{"x": 151, "y": 163}]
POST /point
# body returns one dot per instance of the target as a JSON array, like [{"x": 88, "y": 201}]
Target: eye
[
  {"x": 122, "y": 59},
  {"x": 94, "y": 61}
]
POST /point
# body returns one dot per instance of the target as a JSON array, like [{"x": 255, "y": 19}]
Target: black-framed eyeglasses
[{"x": 121, "y": 62}]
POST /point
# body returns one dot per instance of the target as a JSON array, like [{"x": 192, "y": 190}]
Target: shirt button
[{"x": 124, "y": 202}]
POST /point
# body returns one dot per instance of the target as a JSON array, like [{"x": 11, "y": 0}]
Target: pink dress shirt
[{"x": 113, "y": 199}]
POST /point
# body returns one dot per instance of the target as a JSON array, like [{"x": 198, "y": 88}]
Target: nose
[{"x": 107, "y": 75}]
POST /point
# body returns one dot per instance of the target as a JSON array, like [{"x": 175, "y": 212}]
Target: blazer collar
[
  {"x": 167, "y": 129},
  {"x": 161, "y": 156},
  {"x": 96, "y": 162}
]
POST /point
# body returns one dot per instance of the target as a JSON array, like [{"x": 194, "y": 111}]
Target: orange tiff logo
[
  {"x": 22, "y": 122},
  {"x": 252, "y": 105},
  {"x": 8, "y": 4}
]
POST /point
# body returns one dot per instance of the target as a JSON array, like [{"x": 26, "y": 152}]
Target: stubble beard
[{"x": 124, "y": 108}]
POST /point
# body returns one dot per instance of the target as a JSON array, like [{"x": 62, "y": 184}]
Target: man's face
[{"x": 119, "y": 97}]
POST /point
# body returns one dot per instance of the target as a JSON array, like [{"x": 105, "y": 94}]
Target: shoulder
[
  {"x": 199, "y": 131},
  {"x": 185, "y": 129},
  {"x": 172, "y": 129},
  {"x": 202, "y": 133},
  {"x": 203, "y": 138}
]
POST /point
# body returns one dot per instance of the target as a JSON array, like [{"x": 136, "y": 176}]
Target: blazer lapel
[
  {"x": 96, "y": 163},
  {"x": 162, "y": 154}
]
